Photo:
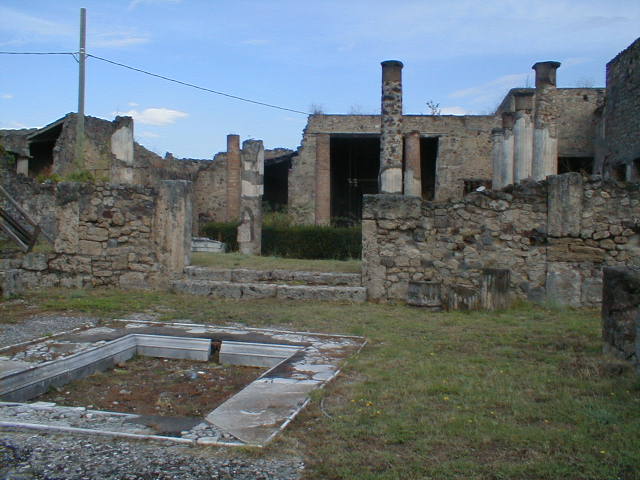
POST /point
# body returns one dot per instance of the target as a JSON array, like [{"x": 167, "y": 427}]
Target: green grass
[
  {"x": 519, "y": 394},
  {"x": 237, "y": 260}
]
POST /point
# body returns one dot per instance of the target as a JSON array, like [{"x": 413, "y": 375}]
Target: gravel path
[{"x": 26, "y": 455}]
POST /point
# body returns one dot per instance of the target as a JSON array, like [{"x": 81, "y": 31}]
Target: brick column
[
  {"x": 250, "y": 228},
  {"x": 233, "y": 178},
  {"x": 545, "y": 134},
  {"x": 390, "y": 178},
  {"x": 412, "y": 172},
  {"x": 522, "y": 136},
  {"x": 323, "y": 179},
  {"x": 506, "y": 166},
  {"x": 497, "y": 139}
]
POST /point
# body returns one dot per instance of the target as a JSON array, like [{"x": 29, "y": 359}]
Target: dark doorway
[
  {"x": 355, "y": 162},
  {"x": 41, "y": 147},
  {"x": 276, "y": 182},
  {"x": 428, "y": 160},
  {"x": 575, "y": 164}
]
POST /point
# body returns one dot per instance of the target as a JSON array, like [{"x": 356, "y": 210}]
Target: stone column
[
  {"x": 250, "y": 228},
  {"x": 323, "y": 179},
  {"x": 522, "y": 136},
  {"x": 390, "y": 178},
  {"x": 412, "y": 173},
  {"x": 507, "y": 149},
  {"x": 233, "y": 178},
  {"x": 545, "y": 134},
  {"x": 497, "y": 139}
]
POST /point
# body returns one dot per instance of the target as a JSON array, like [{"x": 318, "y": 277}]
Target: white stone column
[
  {"x": 522, "y": 136},
  {"x": 507, "y": 149},
  {"x": 390, "y": 178},
  {"x": 545, "y": 134},
  {"x": 497, "y": 139}
]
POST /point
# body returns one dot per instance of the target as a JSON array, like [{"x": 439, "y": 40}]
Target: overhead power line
[
  {"x": 163, "y": 77},
  {"x": 186, "y": 84}
]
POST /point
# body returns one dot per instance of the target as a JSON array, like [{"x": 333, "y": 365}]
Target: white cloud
[
  {"x": 18, "y": 22},
  {"x": 132, "y": 104},
  {"x": 255, "y": 41},
  {"x": 118, "y": 39},
  {"x": 455, "y": 111},
  {"x": 6, "y": 96},
  {"x": 147, "y": 135},
  {"x": 504, "y": 82},
  {"x": 13, "y": 124},
  {"x": 155, "y": 116}
]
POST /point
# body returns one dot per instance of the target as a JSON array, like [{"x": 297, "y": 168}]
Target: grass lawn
[
  {"x": 520, "y": 394},
  {"x": 237, "y": 260}
]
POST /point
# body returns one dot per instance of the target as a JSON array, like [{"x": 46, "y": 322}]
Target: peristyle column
[
  {"x": 497, "y": 140},
  {"x": 412, "y": 173},
  {"x": 506, "y": 165},
  {"x": 323, "y": 179},
  {"x": 390, "y": 178},
  {"x": 233, "y": 178},
  {"x": 522, "y": 136},
  {"x": 545, "y": 134}
]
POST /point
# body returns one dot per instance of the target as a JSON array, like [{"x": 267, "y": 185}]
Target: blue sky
[{"x": 462, "y": 54}]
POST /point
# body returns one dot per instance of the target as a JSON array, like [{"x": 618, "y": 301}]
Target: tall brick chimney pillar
[
  {"x": 545, "y": 133},
  {"x": 390, "y": 177}
]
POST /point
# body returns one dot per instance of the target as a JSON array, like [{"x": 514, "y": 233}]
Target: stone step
[
  {"x": 243, "y": 275},
  {"x": 247, "y": 290}
]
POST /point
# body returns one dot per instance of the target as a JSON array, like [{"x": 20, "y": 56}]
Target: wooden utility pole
[{"x": 81, "y": 76}]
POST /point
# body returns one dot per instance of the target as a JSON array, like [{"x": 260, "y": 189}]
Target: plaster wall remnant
[
  {"x": 412, "y": 172},
  {"x": 522, "y": 136},
  {"x": 122, "y": 148},
  {"x": 323, "y": 180},
  {"x": 545, "y": 135},
  {"x": 250, "y": 228},
  {"x": 390, "y": 179},
  {"x": 234, "y": 182}
]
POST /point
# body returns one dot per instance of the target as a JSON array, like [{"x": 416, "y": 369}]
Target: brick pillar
[
  {"x": 412, "y": 172},
  {"x": 172, "y": 225},
  {"x": 323, "y": 179},
  {"x": 497, "y": 139},
  {"x": 522, "y": 136},
  {"x": 506, "y": 166},
  {"x": 545, "y": 134},
  {"x": 390, "y": 178},
  {"x": 233, "y": 178},
  {"x": 250, "y": 228}
]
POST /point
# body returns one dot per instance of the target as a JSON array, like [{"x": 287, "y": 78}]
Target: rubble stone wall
[
  {"x": 554, "y": 236},
  {"x": 105, "y": 236},
  {"x": 622, "y": 111}
]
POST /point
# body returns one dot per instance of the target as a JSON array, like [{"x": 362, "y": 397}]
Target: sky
[{"x": 308, "y": 56}]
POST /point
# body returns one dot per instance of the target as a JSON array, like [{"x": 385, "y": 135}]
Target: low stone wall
[
  {"x": 124, "y": 236},
  {"x": 553, "y": 236}
]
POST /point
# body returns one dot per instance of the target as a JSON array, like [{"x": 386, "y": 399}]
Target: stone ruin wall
[
  {"x": 577, "y": 120},
  {"x": 554, "y": 236},
  {"x": 622, "y": 110},
  {"x": 464, "y": 151},
  {"x": 126, "y": 236}
]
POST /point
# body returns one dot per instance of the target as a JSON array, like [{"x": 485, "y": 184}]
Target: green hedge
[{"x": 298, "y": 241}]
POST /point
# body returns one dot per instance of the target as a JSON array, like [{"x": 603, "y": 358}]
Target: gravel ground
[
  {"x": 47, "y": 456},
  {"x": 39, "y": 326}
]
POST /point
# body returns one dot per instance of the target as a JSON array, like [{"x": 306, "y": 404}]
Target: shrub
[
  {"x": 225, "y": 232},
  {"x": 297, "y": 241}
]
